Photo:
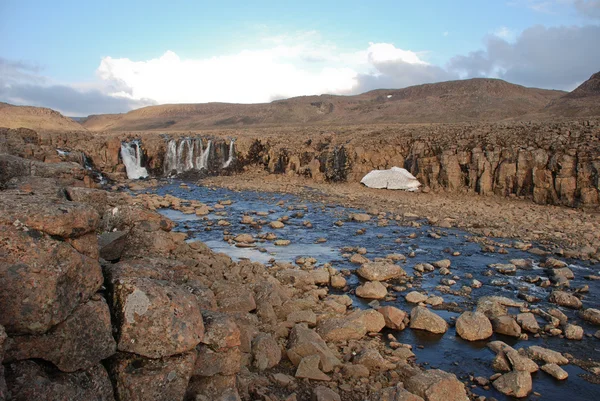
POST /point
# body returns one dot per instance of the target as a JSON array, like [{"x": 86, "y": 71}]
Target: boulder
[
  {"x": 520, "y": 362},
  {"x": 309, "y": 369},
  {"x": 372, "y": 359},
  {"x": 226, "y": 361},
  {"x": 436, "y": 385},
  {"x": 592, "y": 316},
  {"x": 573, "y": 332},
  {"x": 393, "y": 317},
  {"x": 265, "y": 352},
  {"x": 112, "y": 244},
  {"x": 563, "y": 298},
  {"x": 555, "y": 371},
  {"x": 528, "y": 322},
  {"x": 220, "y": 330},
  {"x": 304, "y": 342},
  {"x": 506, "y": 325},
  {"x": 34, "y": 299},
  {"x": 371, "y": 290},
  {"x": 473, "y": 326},
  {"x": 322, "y": 393},
  {"x": 62, "y": 219},
  {"x": 361, "y": 217},
  {"x": 514, "y": 384},
  {"x": 138, "y": 378},
  {"x": 155, "y": 318},
  {"x": 78, "y": 343},
  {"x": 380, "y": 271},
  {"x": 29, "y": 380},
  {"x": 415, "y": 297},
  {"x": 541, "y": 354},
  {"x": 422, "y": 318},
  {"x": 495, "y": 306}
]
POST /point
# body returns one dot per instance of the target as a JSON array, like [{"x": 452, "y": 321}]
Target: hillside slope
[
  {"x": 584, "y": 101},
  {"x": 446, "y": 102},
  {"x": 35, "y": 118}
]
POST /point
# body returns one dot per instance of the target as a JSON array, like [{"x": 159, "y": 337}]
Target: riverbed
[{"x": 312, "y": 232}]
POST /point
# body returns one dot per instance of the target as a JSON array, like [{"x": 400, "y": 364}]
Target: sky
[{"x": 94, "y": 57}]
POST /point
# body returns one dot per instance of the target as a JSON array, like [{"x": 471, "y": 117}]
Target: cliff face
[{"x": 550, "y": 163}]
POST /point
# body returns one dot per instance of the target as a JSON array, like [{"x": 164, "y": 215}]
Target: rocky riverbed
[
  {"x": 168, "y": 290},
  {"x": 449, "y": 271}
]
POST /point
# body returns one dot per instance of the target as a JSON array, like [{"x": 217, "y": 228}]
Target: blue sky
[{"x": 111, "y": 56}]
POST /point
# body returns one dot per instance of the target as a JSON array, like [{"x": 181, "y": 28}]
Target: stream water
[{"x": 448, "y": 351}]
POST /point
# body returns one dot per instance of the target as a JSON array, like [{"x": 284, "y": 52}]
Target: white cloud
[{"x": 282, "y": 70}]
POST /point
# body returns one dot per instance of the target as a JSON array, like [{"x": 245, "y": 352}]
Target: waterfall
[
  {"x": 231, "y": 154},
  {"x": 171, "y": 157},
  {"x": 189, "y": 154},
  {"x": 205, "y": 155},
  {"x": 132, "y": 159},
  {"x": 198, "y": 153},
  {"x": 189, "y": 161}
]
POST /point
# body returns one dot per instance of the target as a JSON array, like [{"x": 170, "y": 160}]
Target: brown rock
[
  {"x": 592, "y": 316},
  {"x": 538, "y": 353},
  {"x": 555, "y": 371},
  {"x": 112, "y": 245},
  {"x": 309, "y": 369},
  {"x": 57, "y": 218},
  {"x": 227, "y": 361},
  {"x": 33, "y": 299},
  {"x": 563, "y": 298},
  {"x": 506, "y": 325},
  {"x": 436, "y": 385},
  {"x": 372, "y": 359},
  {"x": 28, "y": 380},
  {"x": 528, "y": 322},
  {"x": 371, "y": 290},
  {"x": 155, "y": 318},
  {"x": 265, "y": 351},
  {"x": 322, "y": 393},
  {"x": 213, "y": 388},
  {"x": 422, "y": 318},
  {"x": 573, "y": 332},
  {"x": 79, "y": 343},
  {"x": 520, "y": 362},
  {"x": 143, "y": 379},
  {"x": 415, "y": 297},
  {"x": 393, "y": 317},
  {"x": 514, "y": 384},
  {"x": 473, "y": 326},
  {"x": 304, "y": 342},
  {"x": 380, "y": 271},
  {"x": 220, "y": 330}
]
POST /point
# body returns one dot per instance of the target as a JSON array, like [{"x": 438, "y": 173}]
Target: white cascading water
[
  {"x": 205, "y": 155},
  {"x": 180, "y": 160},
  {"x": 187, "y": 154},
  {"x": 171, "y": 156},
  {"x": 198, "y": 153},
  {"x": 231, "y": 154},
  {"x": 189, "y": 161},
  {"x": 132, "y": 159}
]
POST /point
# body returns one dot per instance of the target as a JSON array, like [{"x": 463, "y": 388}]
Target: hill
[
  {"x": 584, "y": 101},
  {"x": 35, "y": 118},
  {"x": 478, "y": 99}
]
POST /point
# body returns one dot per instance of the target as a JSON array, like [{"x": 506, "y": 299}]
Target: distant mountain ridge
[
  {"x": 36, "y": 118},
  {"x": 478, "y": 99},
  {"x": 471, "y": 100}
]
